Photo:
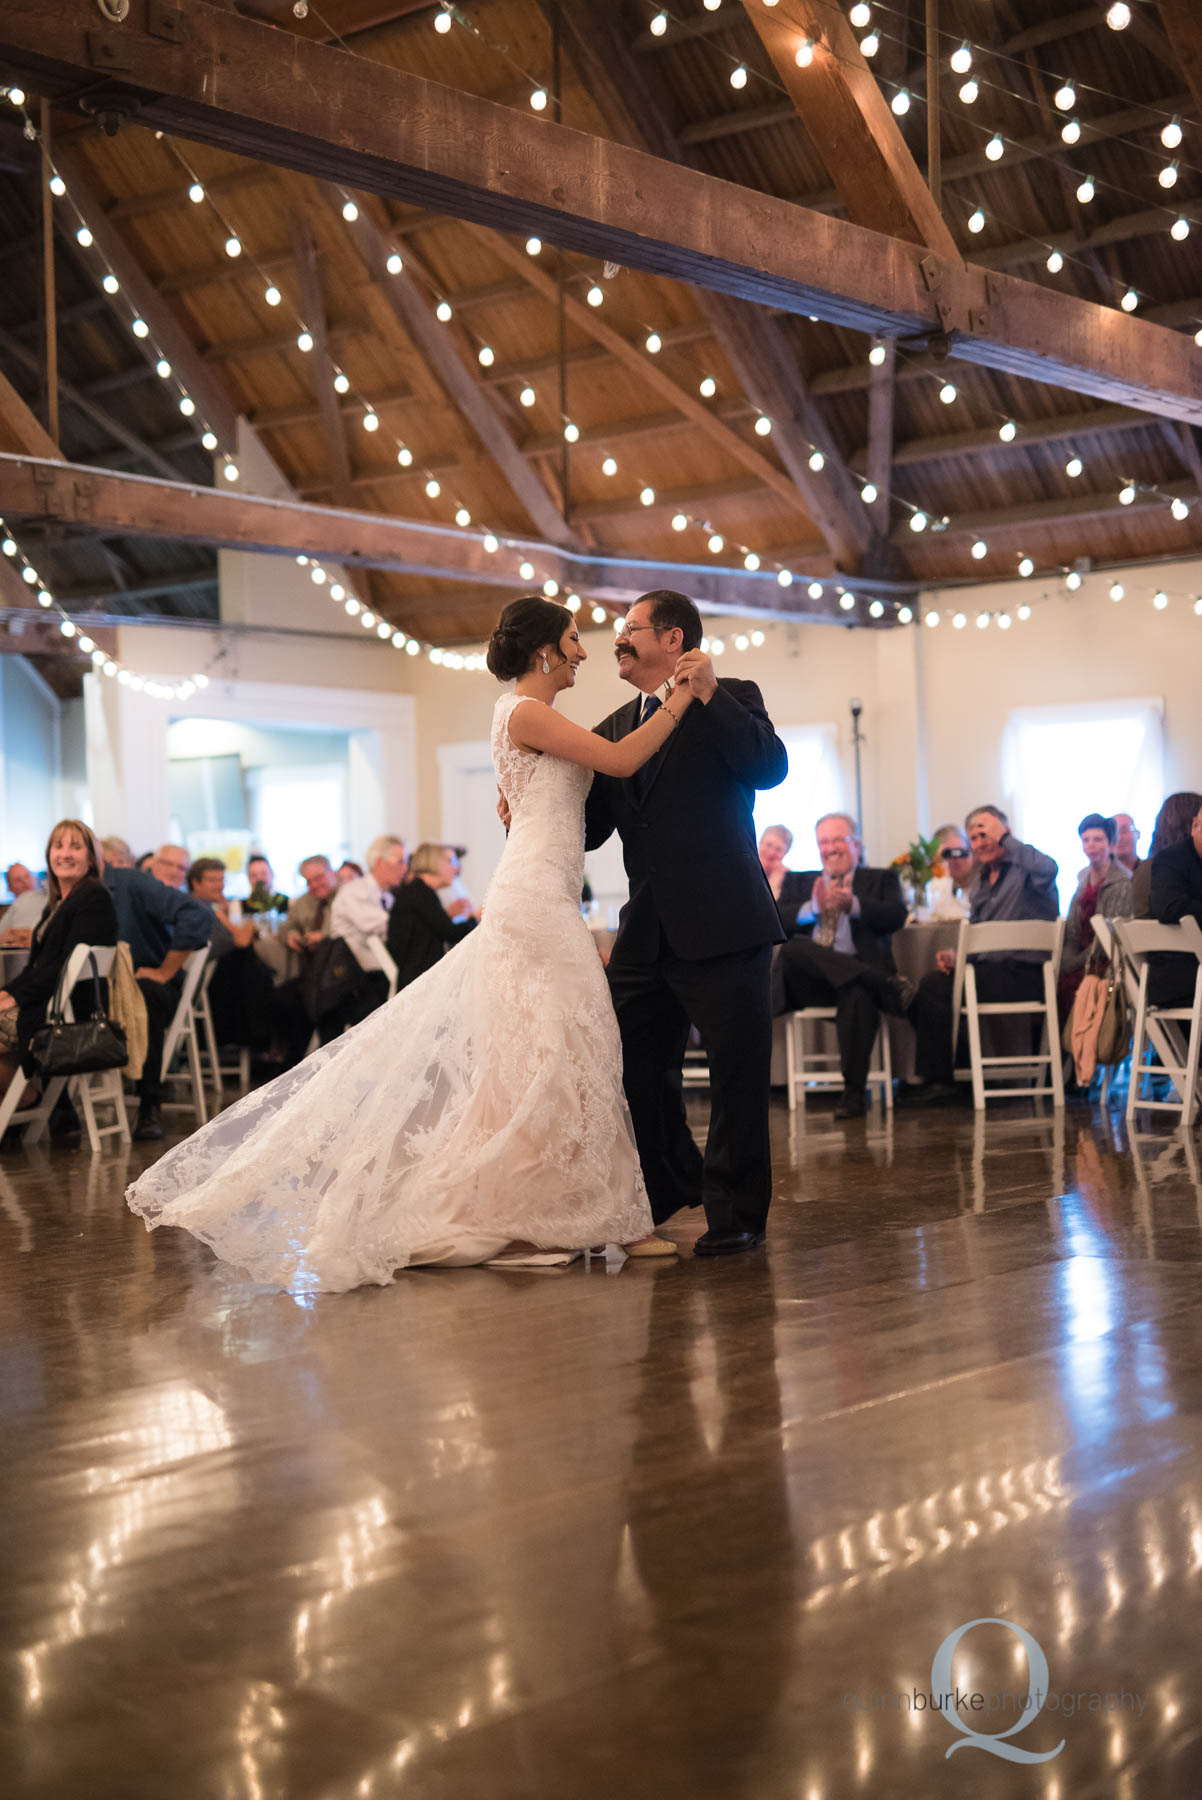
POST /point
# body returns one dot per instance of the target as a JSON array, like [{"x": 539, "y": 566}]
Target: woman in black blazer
[
  {"x": 79, "y": 910},
  {"x": 420, "y": 929}
]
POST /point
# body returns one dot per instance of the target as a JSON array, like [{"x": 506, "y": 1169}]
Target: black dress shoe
[
  {"x": 725, "y": 1243},
  {"x": 897, "y": 996},
  {"x": 935, "y": 1093},
  {"x": 853, "y": 1105},
  {"x": 148, "y": 1125}
]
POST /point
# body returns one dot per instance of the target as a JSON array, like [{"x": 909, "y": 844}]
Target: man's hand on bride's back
[
  {"x": 503, "y": 812},
  {"x": 695, "y": 671}
]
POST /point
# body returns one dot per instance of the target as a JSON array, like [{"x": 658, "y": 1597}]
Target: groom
[{"x": 694, "y": 945}]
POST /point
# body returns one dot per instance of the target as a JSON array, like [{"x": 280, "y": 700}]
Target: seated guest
[
  {"x": 145, "y": 863},
  {"x": 787, "y": 884},
  {"x": 79, "y": 910},
  {"x": 1011, "y": 880},
  {"x": 170, "y": 865},
  {"x": 953, "y": 851},
  {"x": 360, "y": 913},
  {"x": 1103, "y": 888},
  {"x": 420, "y": 928},
  {"x": 308, "y": 923},
  {"x": 262, "y": 896},
  {"x": 839, "y": 954},
  {"x": 1173, "y": 823},
  {"x": 1176, "y": 895},
  {"x": 162, "y": 926},
  {"x": 1126, "y": 852},
  {"x": 241, "y": 984},
  {"x": 348, "y": 871},
  {"x": 27, "y": 907},
  {"x": 117, "y": 853}
]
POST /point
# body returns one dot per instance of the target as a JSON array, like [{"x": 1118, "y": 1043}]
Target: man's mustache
[{"x": 625, "y": 649}]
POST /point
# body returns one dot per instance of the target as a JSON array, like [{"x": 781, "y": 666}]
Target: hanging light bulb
[
  {"x": 969, "y": 92},
  {"x": 1129, "y": 301},
  {"x": 1065, "y": 97},
  {"x": 869, "y": 493},
  {"x": 962, "y": 60},
  {"x": 763, "y": 425},
  {"x": 317, "y": 575},
  {"x": 983, "y": 619},
  {"x": 708, "y": 388},
  {"x": 187, "y": 405},
  {"x": 1170, "y": 134},
  {"x": 341, "y": 383},
  {"x": 1160, "y": 599},
  {"x": 876, "y": 610},
  {"x": 598, "y": 615},
  {"x": 1070, "y": 131},
  {"x": 573, "y": 603},
  {"x": 1072, "y": 581},
  {"x": 738, "y": 76},
  {"x": 596, "y": 295},
  {"x": 803, "y": 56},
  {"x": 918, "y": 521},
  {"x": 442, "y": 312},
  {"x": 870, "y": 44},
  {"x": 571, "y": 433},
  {"x": 538, "y": 99},
  {"x": 1085, "y": 192},
  {"x": 1118, "y": 16},
  {"x": 959, "y": 621},
  {"x": 817, "y": 461},
  {"x": 404, "y": 456},
  {"x": 847, "y": 602},
  {"x": 433, "y": 488},
  {"x": 162, "y": 368},
  {"x": 83, "y": 236},
  {"x": 350, "y": 211},
  {"x": 140, "y": 328},
  {"x": 904, "y": 615},
  {"x": 233, "y": 246},
  {"x": 230, "y": 471},
  {"x": 715, "y": 543},
  {"x": 304, "y": 341},
  {"x": 679, "y": 521},
  {"x": 751, "y": 561},
  {"x": 527, "y": 397},
  {"x": 273, "y": 296},
  {"x": 526, "y": 571},
  {"x": 980, "y": 550},
  {"x": 815, "y": 590},
  {"x": 1117, "y": 590},
  {"x": 1055, "y": 263},
  {"x": 900, "y": 102},
  {"x": 609, "y": 466},
  {"x": 976, "y": 220},
  {"x": 860, "y": 14},
  {"x": 196, "y": 193},
  {"x": 1179, "y": 229},
  {"x": 647, "y": 497},
  {"x": 1198, "y": 338},
  {"x": 442, "y": 22},
  {"x": 1073, "y": 467},
  {"x": 485, "y": 356},
  {"x": 1168, "y": 175},
  {"x": 947, "y": 392},
  {"x": 491, "y": 544},
  {"x": 1008, "y": 432},
  {"x": 1179, "y": 510},
  {"x": 1026, "y": 567},
  {"x": 394, "y": 263},
  {"x": 653, "y": 343},
  {"x": 550, "y": 587},
  {"x": 58, "y": 186},
  {"x": 995, "y": 149},
  {"x": 931, "y": 619},
  {"x": 784, "y": 578},
  {"x": 1127, "y": 493},
  {"x": 659, "y": 24},
  {"x": 209, "y": 440},
  {"x": 371, "y": 421},
  {"x": 110, "y": 284}
]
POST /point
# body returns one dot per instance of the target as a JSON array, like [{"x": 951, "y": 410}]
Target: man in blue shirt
[{"x": 162, "y": 926}]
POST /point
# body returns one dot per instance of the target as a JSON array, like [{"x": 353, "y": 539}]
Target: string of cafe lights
[{"x": 75, "y": 631}]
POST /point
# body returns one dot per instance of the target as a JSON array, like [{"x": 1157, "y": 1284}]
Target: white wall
[{"x": 30, "y": 761}]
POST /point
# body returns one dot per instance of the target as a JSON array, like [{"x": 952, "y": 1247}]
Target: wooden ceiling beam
[
  {"x": 382, "y": 129},
  {"x": 382, "y": 475},
  {"x": 313, "y": 315},
  {"x": 168, "y": 332},
  {"x": 694, "y": 499},
  {"x": 71, "y": 396},
  {"x": 1102, "y": 421},
  {"x": 70, "y": 497},
  {"x": 756, "y": 346},
  {"x": 676, "y": 337},
  {"x": 880, "y": 453},
  {"x": 1035, "y": 515},
  {"x": 1183, "y": 27},
  {"x": 139, "y": 206},
  {"x": 230, "y": 268},
  {"x": 1023, "y": 251},
  {"x": 410, "y": 304},
  {"x": 282, "y": 343},
  {"x": 283, "y": 418},
  {"x": 840, "y": 103},
  {"x": 20, "y": 428}
]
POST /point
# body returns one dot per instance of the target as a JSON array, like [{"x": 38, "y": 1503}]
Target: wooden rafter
[
  {"x": 878, "y": 459},
  {"x": 138, "y": 506},
  {"x": 1183, "y": 27},
  {"x": 71, "y": 396},
  {"x": 20, "y": 429},
  {"x": 313, "y": 314}
]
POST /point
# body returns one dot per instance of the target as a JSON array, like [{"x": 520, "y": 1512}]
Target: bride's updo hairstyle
[{"x": 524, "y": 627}]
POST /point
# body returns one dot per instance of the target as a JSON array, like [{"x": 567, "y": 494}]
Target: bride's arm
[{"x": 539, "y": 727}]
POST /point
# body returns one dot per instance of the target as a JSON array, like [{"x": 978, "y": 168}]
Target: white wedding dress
[{"x": 481, "y": 1106}]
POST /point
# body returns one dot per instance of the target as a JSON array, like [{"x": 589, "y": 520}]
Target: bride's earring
[{"x": 546, "y": 666}]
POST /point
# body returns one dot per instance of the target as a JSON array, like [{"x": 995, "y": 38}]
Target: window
[
  {"x": 813, "y": 786},
  {"x": 1061, "y": 762}
]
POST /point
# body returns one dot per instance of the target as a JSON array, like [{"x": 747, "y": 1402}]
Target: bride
[{"x": 482, "y": 1108}]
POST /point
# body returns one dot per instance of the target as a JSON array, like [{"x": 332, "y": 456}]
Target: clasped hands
[{"x": 831, "y": 896}]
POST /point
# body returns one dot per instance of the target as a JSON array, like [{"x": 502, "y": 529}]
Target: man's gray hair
[
  {"x": 317, "y": 861},
  {"x": 978, "y": 810},
  {"x": 852, "y": 827},
  {"x": 116, "y": 850},
  {"x": 781, "y": 831},
  {"x": 380, "y": 847}
]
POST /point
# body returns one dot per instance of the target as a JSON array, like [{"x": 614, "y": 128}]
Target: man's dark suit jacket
[
  {"x": 1176, "y": 895},
  {"x": 882, "y": 912},
  {"x": 689, "y": 843}
]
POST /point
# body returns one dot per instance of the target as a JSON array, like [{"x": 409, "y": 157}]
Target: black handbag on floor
[
  {"x": 79, "y": 1046},
  {"x": 332, "y": 977}
]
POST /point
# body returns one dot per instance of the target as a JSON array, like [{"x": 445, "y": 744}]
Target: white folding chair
[
  {"x": 1179, "y": 1059},
  {"x": 1009, "y": 936},
  {"x": 182, "y": 1035},
  {"x": 807, "y": 1065},
  {"x": 103, "y": 1087},
  {"x": 380, "y": 951},
  {"x": 208, "y": 1047}
]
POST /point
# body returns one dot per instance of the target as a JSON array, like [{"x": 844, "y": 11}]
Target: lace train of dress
[{"x": 481, "y": 1106}]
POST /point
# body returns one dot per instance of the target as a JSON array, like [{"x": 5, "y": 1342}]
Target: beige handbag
[{"x": 127, "y": 1008}]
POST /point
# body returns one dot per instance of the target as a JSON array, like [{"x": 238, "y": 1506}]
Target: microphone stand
[{"x": 857, "y": 739}]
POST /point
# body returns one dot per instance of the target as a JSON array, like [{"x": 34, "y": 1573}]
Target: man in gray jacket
[{"x": 1011, "y": 880}]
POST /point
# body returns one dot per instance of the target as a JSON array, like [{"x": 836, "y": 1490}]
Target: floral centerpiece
[{"x": 916, "y": 867}]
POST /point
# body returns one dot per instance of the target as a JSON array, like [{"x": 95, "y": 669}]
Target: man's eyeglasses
[
  {"x": 629, "y": 630},
  {"x": 950, "y": 855}
]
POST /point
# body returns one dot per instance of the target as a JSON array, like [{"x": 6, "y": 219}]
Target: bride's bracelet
[{"x": 675, "y": 717}]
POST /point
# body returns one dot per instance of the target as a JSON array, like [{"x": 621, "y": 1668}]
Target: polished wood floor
[{"x": 677, "y": 1530}]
